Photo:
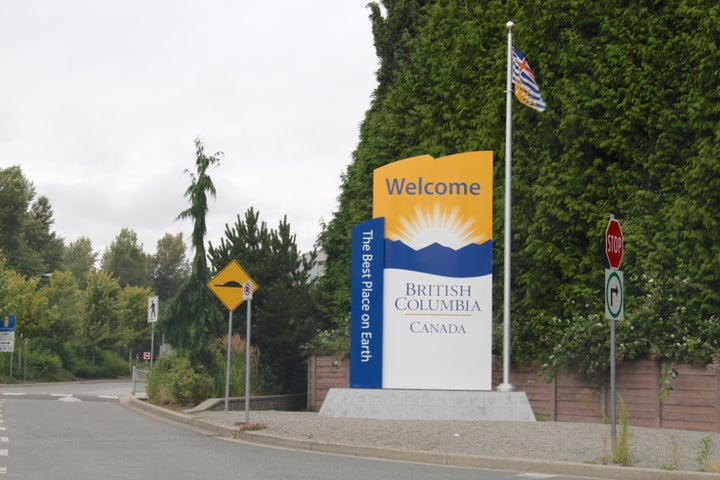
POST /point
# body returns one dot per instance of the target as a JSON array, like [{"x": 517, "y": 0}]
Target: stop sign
[{"x": 614, "y": 243}]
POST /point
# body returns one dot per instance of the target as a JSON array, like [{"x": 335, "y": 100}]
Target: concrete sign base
[{"x": 390, "y": 404}]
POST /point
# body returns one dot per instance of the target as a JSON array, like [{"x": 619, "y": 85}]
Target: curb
[
  {"x": 586, "y": 470},
  {"x": 135, "y": 403}
]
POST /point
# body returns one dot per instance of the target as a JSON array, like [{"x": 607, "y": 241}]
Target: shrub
[
  {"x": 174, "y": 381},
  {"x": 42, "y": 365},
  {"x": 105, "y": 365},
  {"x": 48, "y": 367}
]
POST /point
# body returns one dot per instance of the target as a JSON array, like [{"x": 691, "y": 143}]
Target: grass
[
  {"x": 703, "y": 456},
  {"x": 623, "y": 451},
  {"x": 675, "y": 450}
]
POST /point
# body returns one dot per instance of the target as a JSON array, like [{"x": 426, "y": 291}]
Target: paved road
[
  {"x": 86, "y": 436},
  {"x": 112, "y": 390}
]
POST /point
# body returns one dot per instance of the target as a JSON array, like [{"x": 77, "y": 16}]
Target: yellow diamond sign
[{"x": 228, "y": 285}]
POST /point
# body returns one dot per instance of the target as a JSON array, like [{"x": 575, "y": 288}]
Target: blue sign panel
[
  {"x": 366, "y": 312},
  {"x": 7, "y": 324},
  {"x": 7, "y": 333}
]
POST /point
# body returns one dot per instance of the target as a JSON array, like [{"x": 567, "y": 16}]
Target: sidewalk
[{"x": 553, "y": 448}]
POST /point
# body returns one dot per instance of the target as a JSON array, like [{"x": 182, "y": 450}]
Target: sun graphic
[{"x": 438, "y": 225}]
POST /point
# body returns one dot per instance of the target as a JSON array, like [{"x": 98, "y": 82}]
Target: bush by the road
[{"x": 174, "y": 381}]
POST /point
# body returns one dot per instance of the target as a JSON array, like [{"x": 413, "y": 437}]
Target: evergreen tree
[
  {"x": 193, "y": 319},
  {"x": 41, "y": 239},
  {"x": 25, "y": 226},
  {"x": 282, "y": 308}
]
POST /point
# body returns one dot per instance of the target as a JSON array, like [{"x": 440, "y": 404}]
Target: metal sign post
[
  {"x": 614, "y": 307},
  {"x": 227, "y": 367},
  {"x": 613, "y": 415},
  {"x": 153, "y": 311},
  {"x": 247, "y": 295},
  {"x": 232, "y": 286}
]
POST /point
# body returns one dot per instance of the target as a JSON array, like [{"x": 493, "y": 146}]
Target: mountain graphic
[{"x": 470, "y": 261}]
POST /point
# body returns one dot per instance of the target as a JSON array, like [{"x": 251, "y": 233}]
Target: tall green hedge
[{"x": 631, "y": 128}]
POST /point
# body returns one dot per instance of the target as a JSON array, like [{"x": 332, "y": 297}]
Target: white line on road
[
  {"x": 4, "y": 439},
  {"x": 14, "y": 394},
  {"x": 535, "y": 475},
  {"x": 69, "y": 398},
  {"x": 3, "y": 452},
  {"x": 111, "y": 397}
]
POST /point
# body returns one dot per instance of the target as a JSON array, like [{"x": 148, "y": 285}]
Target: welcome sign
[{"x": 429, "y": 249}]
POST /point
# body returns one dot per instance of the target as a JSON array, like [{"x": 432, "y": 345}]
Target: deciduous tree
[
  {"x": 125, "y": 260},
  {"x": 170, "y": 266}
]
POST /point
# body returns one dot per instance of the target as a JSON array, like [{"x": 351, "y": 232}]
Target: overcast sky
[{"x": 100, "y": 104}]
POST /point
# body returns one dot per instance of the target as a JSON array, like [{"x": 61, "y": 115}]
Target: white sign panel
[
  {"x": 153, "y": 309},
  {"x": 614, "y": 295},
  {"x": 437, "y": 331}
]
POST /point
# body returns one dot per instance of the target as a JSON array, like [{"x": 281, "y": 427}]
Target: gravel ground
[{"x": 549, "y": 441}]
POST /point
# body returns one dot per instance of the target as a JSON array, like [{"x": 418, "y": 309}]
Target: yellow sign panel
[
  {"x": 446, "y": 200},
  {"x": 227, "y": 285}
]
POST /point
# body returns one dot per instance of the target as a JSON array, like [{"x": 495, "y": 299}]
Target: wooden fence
[
  {"x": 689, "y": 401},
  {"x": 325, "y": 372}
]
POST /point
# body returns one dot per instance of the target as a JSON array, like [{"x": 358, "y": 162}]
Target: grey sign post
[
  {"x": 614, "y": 306},
  {"x": 153, "y": 311},
  {"x": 227, "y": 363},
  {"x": 247, "y": 295}
]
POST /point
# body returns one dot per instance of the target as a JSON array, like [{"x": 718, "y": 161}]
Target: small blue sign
[
  {"x": 7, "y": 324},
  {"x": 7, "y": 333},
  {"x": 366, "y": 307}
]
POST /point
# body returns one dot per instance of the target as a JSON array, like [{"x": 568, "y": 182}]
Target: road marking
[
  {"x": 2, "y": 429},
  {"x": 61, "y": 394},
  {"x": 535, "y": 475},
  {"x": 14, "y": 394},
  {"x": 69, "y": 398},
  {"x": 110, "y": 397},
  {"x": 4, "y": 453}
]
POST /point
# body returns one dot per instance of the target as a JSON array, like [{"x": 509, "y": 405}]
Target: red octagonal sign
[{"x": 614, "y": 243}]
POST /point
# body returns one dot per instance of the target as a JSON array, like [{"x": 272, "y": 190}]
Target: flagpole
[{"x": 506, "y": 386}]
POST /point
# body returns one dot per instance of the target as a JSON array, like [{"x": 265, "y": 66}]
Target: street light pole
[{"x": 26, "y": 355}]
